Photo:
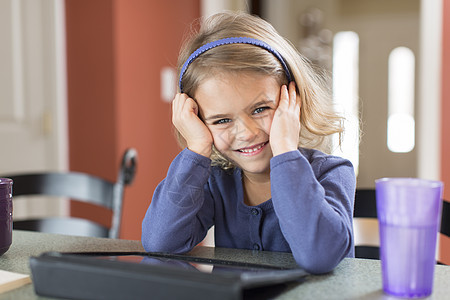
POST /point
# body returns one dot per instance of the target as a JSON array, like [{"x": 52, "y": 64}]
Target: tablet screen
[{"x": 206, "y": 266}]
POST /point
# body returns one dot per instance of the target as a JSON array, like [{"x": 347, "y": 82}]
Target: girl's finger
[
  {"x": 175, "y": 105},
  {"x": 292, "y": 93},
  {"x": 180, "y": 102},
  {"x": 284, "y": 96}
]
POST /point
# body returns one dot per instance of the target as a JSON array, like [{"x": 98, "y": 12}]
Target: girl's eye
[
  {"x": 260, "y": 110},
  {"x": 222, "y": 121}
]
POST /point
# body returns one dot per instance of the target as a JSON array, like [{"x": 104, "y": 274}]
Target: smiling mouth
[{"x": 252, "y": 149}]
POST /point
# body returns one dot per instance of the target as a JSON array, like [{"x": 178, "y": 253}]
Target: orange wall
[
  {"x": 91, "y": 96},
  {"x": 115, "y": 51},
  {"x": 445, "y": 129}
]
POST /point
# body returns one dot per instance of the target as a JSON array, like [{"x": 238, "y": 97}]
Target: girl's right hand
[{"x": 194, "y": 131}]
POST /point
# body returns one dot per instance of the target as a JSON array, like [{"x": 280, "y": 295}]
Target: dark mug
[{"x": 5, "y": 214}]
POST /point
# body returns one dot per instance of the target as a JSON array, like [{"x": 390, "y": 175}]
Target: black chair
[
  {"x": 80, "y": 187},
  {"x": 366, "y": 207},
  {"x": 445, "y": 221}
]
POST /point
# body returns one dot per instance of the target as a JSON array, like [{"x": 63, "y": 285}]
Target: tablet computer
[{"x": 139, "y": 275}]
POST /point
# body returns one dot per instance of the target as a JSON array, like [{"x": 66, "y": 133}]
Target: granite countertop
[
  {"x": 27, "y": 243},
  {"x": 351, "y": 279}
]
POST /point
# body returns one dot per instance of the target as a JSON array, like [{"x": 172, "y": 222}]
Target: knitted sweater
[{"x": 310, "y": 213}]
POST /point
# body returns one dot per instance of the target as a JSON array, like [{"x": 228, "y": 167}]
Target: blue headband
[{"x": 232, "y": 40}]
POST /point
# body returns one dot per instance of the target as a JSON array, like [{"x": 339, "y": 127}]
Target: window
[{"x": 401, "y": 124}]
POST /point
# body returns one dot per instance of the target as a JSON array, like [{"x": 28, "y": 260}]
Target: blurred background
[{"x": 82, "y": 80}]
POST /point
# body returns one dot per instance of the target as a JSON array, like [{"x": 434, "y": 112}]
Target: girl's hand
[
  {"x": 185, "y": 119},
  {"x": 285, "y": 130}
]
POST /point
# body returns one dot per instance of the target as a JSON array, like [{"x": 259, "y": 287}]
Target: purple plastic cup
[
  {"x": 409, "y": 215},
  {"x": 5, "y": 214}
]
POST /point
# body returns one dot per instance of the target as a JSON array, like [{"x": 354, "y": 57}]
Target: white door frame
[{"x": 429, "y": 110}]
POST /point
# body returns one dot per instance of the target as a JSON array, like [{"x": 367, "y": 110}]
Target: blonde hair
[{"x": 318, "y": 117}]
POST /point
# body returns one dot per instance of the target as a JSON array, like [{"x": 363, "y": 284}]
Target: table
[{"x": 352, "y": 278}]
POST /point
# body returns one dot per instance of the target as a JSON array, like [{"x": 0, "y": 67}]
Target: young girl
[{"x": 248, "y": 105}]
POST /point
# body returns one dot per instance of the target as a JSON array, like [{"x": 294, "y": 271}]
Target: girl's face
[{"x": 238, "y": 109}]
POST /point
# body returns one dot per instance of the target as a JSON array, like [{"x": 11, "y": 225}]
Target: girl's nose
[{"x": 245, "y": 129}]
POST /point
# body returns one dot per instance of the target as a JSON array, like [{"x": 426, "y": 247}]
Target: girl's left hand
[{"x": 285, "y": 130}]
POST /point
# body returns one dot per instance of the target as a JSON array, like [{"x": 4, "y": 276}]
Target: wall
[
  {"x": 445, "y": 129},
  {"x": 115, "y": 51}
]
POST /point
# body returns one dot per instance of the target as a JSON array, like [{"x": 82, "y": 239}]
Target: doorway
[
  {"x": 381, "y": 27},
  {"x": 32, "y": 94}
]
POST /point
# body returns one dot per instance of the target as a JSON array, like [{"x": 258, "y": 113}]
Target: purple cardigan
[{"x": 310, "y": 213}]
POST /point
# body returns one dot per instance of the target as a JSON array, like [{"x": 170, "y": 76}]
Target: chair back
[
  {"x": 81, "y": 187},
  {"x": 445, "y": 220},
  {"x": 366, "y": 224}
]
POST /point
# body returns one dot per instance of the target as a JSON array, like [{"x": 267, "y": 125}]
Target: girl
[{"x": 248, "y": 105}]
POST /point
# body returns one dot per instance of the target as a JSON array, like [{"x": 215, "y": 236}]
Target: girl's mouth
[{"x": 252, "y": 150}]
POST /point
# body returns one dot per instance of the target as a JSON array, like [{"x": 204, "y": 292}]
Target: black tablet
[{"x": 138, "y": 275}]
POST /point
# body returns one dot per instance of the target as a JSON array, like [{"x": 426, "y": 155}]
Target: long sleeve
[
  {"x": 181, "y": 210},
  {"x": 310, "y": 213},
  {"x": 313, "y": 201}
]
